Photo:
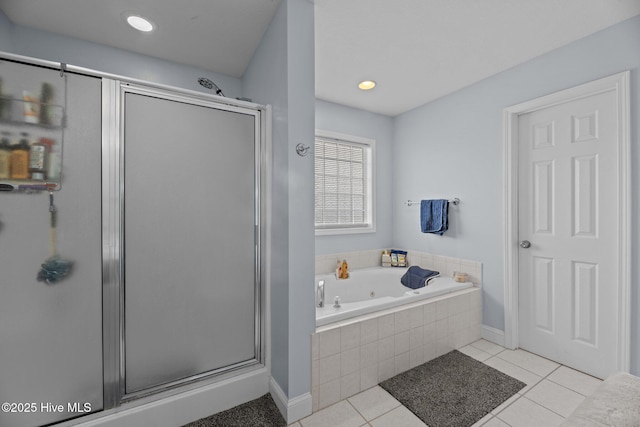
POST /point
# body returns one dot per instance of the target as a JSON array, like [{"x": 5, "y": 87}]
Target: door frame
[{"x": 619, "y": 83}]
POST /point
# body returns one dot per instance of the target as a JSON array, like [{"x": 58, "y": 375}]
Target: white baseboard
[
  {"x": 294, "y": 409},
  {"x": 494, "y": 335}
]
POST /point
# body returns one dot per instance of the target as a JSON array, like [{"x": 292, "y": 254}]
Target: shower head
[
  {"x": 205, "y": 82},
  {"x": 210, "y": 85}
]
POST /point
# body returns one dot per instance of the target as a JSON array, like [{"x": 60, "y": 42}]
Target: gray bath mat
[
  {"x": 453, "y": 390},
  {"x": 261, "y": 412}
]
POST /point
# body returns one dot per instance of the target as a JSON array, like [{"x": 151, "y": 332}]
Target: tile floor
[{"x": 552, "y": 393}]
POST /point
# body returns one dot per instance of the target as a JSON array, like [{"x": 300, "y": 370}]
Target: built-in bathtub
[
  {"x": 373, "y": 289},
  {"x": 364, "y": 343}
]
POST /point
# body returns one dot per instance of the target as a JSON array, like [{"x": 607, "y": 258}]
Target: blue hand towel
[
  {"x": 434, "y": 216},
  {"x": 416, "y": 277}
]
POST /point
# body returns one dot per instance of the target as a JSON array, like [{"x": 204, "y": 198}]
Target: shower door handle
[{"x": 525, "y": 244}]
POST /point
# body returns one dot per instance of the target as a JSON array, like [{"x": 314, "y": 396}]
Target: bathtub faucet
[{"x": 320, "y": 293}]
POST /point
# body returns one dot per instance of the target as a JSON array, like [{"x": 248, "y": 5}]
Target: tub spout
[{"x": 320, "y": 293}]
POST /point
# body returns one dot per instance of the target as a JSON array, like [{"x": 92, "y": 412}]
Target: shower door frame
[{"x": 113, "y": 188}]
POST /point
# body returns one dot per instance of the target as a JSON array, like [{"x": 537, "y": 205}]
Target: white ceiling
[
  {"x": 417, "y": 50},
  {"x": 420, "y": 50},
  {"x": 218, "y": 35}
]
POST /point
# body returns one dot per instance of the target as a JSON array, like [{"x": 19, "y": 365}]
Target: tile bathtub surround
[
  {"x": 326, "y": 264},
  {"x": 356, "y": 354},
  {"x": 447, "y": 265}
]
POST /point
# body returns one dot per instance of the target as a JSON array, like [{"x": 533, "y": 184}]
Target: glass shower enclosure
[{"x": 158, "y": 209}]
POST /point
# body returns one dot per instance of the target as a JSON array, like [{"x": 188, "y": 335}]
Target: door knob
[{"x": 525, "y": 244}]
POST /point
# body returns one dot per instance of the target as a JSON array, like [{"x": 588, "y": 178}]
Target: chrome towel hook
[{"x": 302, "y": 149}]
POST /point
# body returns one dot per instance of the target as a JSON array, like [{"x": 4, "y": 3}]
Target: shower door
[{"x": 190, "y": 264}]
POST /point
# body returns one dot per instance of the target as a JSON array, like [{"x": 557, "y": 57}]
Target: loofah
[{"x": 54, "y": 269}]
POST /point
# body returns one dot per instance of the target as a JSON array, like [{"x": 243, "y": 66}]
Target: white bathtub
[{"x": 372, "y": 289}]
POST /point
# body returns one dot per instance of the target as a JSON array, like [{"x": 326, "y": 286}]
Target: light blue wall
[
  {"x": 301, "y": 76},
  {"x": 452, "y": 147},
  {"x": 58, "y": 48},
  {"x": 356, "y": 122},
  {"x": 281, "y": 73},
  {"x": 266, "y": 78}
]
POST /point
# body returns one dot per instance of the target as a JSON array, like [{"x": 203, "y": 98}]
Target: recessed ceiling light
[
  {"x": 140, "y": 23},
  {"x": 367, "y": 84}
]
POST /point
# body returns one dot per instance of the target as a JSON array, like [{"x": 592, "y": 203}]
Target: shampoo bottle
[{"x": 386, "y": 259}]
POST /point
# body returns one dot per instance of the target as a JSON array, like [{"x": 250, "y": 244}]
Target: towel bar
[{"x": 453, "y": 201}]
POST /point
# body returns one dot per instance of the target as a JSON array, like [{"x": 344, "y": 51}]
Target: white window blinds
[{"x": 342, "y": 184}]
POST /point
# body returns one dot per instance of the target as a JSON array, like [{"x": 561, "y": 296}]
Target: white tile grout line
[
  {"x": 563, "y": 386},
  {"x": 497, "y": 415},
  {"x": 532, "y": 385},
  {"x": 362, "y": 415},
  {"x": 368, "y": 422}
]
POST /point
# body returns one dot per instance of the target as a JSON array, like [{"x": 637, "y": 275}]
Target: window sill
[{"x": 340, "y": 231}]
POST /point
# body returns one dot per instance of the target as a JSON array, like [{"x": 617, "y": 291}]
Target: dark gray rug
[
  {"x": 453, "y": 390},
  {"x": 261, "y": 412}
]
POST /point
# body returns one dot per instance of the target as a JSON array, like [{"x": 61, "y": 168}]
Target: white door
[{"x": 569, "y": 212}]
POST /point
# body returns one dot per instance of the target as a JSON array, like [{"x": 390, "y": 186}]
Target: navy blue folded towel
[
  {"x": 416, "y": 277},
  {"x": 434, "y": 216}
]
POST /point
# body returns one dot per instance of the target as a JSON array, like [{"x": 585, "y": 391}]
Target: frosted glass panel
[
  {"x": 51, "y": 335},
  {"x": 189, "y": 244}
]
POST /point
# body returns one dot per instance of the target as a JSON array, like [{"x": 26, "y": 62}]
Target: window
[{"x": 343, "y": 184}]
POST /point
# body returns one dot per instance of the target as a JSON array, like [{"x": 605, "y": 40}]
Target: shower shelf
[
  {"x": 12, "y": 121},
  {"x": 28, "y": 186},
  {"x": 12, "y": 110}
]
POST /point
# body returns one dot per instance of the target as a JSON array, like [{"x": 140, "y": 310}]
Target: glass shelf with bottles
[
  {"x": 30, "y": 112},
  {"x": 30, "y": 156}
]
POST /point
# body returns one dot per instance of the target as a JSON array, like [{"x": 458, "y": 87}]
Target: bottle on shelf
[
  {"x": 31, "y": 107},
  {"x": 38, "y": 153},
  {"x": 46, "y": 98},
  {"x": 5, "y": 104},
  {"x": 20, "y": 158},
  {"x": 5, "y": 156},
  {"x": 53, "y": 162}
]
